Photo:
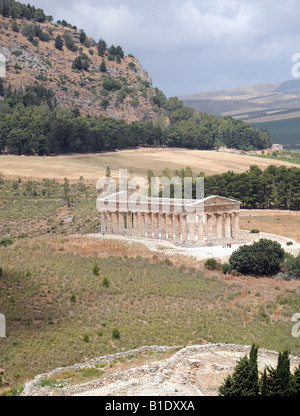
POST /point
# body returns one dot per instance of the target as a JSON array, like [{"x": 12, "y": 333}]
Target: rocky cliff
[{"x": 32, "y": 61}]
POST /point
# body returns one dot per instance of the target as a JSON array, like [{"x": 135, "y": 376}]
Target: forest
[{"x": 32, "y": 123}]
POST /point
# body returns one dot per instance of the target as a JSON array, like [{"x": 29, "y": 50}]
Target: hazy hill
[
  {"x": 274, "y": 106},
  {"x": 247, "y": 100},
  {"x": 126, "y": 94}
]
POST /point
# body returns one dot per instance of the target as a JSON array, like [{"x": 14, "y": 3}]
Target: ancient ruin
[{"x": 183, "y": 221}]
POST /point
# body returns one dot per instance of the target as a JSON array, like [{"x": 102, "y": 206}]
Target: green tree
[
  {"x": 262, "y": 258},
  {"x": 103, "y": 66},
  {"x": 59, "y": 43},
  {"x": 15, "y": 26},
  {"x": 82, "y": 36},
  {"x": 101, "y": 47},
  {"x": 244, "y": 380}
]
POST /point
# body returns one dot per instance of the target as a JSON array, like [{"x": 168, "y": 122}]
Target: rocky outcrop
[
  {"x": 193, "y": 370},
  {"x": 28, "y": 64}
]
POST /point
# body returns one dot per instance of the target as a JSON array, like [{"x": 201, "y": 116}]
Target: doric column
[
  {"x": 200, "y": 228},
  {"x": 109, "y": 223},
  {"x": 142, "y": 224},
  {"x": 129, "y": 223},
  {"x": 135, "y": 224},
  {"x": 176, "y": 219},
  {"x": 163, "y": 226},
  {"x": 236, "y": 225},
  {"x": 114, "y": 223},
  {"x": 149, "y": 225},
  {"x": 183, "y": 219},
  {"x": 121, "y": 223},
  {"x": 209, "y": 226},
  {"x": 219, "y": 219},
  {"x": 170, "y": 226},
  {"x": 191, "y": 230},
  {"x": 156, "y": 225},
  {"x": 103, "y": 222},
  {"x": 228, "y": 226}
]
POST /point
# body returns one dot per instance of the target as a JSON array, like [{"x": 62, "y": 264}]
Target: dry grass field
[
  {"x": 280, "y": 224},
  {"x": 136, "y": 161}
]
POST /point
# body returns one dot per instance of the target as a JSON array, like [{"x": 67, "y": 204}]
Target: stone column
[
  {"x": 219, "y": 219},
  {"x": 184, "y": 227},
  {"x": 114, "y": 222},
  {"x": 156, "y": 225},
  {"x": 103, "y": 222},
  {"x": 200, "y": 229},
  {"x": 129, "y": 223},
  {"x": 149, "y": 225},
  {"x": 228, "y": 226},
  {"x": 163, "y": 226},
  {"x": 170, "y": 226},
  {"x": 236, "y": 225},
  {"x": 209, "y": 227},
  {"x": 191, "y": 229},
  {"x": 108, "y": 223},
  {"x": 135, "y": 229},
  {"x": 121, "y": 223},
  {"x": 142, "y": 224},
  {"x": 177, "y": 227}
]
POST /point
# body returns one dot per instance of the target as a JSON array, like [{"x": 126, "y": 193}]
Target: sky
[{"x": 193, "y": 46}]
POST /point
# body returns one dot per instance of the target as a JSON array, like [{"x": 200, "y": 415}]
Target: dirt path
[{"x": 199, "y": 253}]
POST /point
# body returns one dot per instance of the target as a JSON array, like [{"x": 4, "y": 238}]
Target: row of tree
[
  {"x": 245, "y": 380},
  {"x": 275, "y": 187},
  {"x": 32, "y": 123}
]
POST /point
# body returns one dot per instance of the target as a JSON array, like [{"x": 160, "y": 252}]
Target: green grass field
[{"x": 286, "y": 132}]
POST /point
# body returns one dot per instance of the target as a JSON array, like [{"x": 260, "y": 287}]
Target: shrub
[
  {"x": 73, "y": 299},
  {"x": 18, "y": 53},
  {"x": 111, "y": 84},
  {"x": 211, "y": 264},
  {"x": 292, "y": 265},
  {"x": 15, "y": 27},
  {"x": 116, "y": 333},
  {"x": 262, "y": 258},
  {"x": 1, "y": 271},
  {"x": 226, "y": 268},
  {"x": 59, "y": 43},
  {"x": 96, "y": 270},
  {"x": 255, "y": 231},
  {"x": 86, "y": 338},
  {"x": 105, "y": 282},
  {"x": 289, "y": 243},
  {"x": 6, "y": 242}
]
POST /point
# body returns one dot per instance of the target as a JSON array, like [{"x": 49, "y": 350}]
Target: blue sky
[{"x": 191, "y": 46}]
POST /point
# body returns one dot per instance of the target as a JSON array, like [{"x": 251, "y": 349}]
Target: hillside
[
  {"x": 274, "y": 106},
  {"x": 123, "y": 91},
  {"x": 248, "y": 99}
]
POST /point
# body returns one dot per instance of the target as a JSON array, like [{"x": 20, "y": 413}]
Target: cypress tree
[
  {"x": 284, "y": 377},
  {"x": 253, "y": 375},
  {"x": 264, "y": 391},
  {"x": 103, "y": 66},
  {"x": 227, "y": 387},
  {"x": 297, "y": 381},
  {"x": 59, "y": 43}
]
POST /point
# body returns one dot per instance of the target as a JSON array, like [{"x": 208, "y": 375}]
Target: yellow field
[{"x": 137, "y": 161}]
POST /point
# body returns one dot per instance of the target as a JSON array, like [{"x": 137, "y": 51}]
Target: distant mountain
[{"x": 247, "y": 102}]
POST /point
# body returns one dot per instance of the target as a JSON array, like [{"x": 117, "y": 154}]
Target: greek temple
[{"x": 213, "y": 219}]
